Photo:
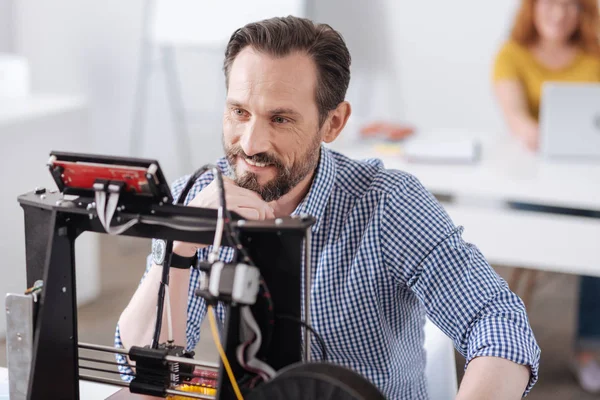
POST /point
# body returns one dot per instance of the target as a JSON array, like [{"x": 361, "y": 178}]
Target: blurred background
[{"x": 128, "y": 78}]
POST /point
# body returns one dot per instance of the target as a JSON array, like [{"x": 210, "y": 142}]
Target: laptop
[{"x": 570, "y": 121}]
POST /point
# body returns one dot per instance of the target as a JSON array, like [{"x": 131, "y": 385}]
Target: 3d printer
[{"x": 265, "y": 290}]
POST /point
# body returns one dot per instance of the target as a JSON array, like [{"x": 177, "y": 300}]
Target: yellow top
[{"x": 517, "y": 62}]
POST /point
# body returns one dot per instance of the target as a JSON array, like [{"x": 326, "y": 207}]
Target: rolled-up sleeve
[
  {"x": 123, "y": 366},
  {"x": 461, "y": 292},
  {"x": 466, "y": 298}
]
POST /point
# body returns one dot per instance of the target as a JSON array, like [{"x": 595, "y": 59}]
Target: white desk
[
  {"x": 505, "y": 173},
  {"x": 87, "y": 390}
]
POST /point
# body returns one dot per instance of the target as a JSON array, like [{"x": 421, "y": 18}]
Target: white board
[{"x": 211, "y": 23}]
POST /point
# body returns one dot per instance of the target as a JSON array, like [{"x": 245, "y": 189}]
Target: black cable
[
  {"x": 161, "y": 295},
  {"x": 232, "y": 233},
  {"x": 310, "y": 328},
  {"x": 231, "y": 236},
  {"x": 227, "y": 225},
  {"x": 166, "y": 265}
]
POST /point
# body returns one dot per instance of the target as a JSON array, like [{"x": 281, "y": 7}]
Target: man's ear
[{"x": 336, "y": 121}]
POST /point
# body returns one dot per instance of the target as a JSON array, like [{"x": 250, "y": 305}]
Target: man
[{"x": 385, "y": 252}]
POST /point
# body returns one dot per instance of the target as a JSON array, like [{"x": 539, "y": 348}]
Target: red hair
[{"x": 586, "y": 36}]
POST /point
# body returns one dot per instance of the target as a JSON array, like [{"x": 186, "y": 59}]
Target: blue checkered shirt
[{"x": 384, "y": 255}]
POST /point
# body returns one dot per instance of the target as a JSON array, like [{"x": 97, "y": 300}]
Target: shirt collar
[{"x": 315, "y": 202}]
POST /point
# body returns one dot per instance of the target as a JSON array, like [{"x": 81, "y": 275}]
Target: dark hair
[{"x": 281, "y": 36}]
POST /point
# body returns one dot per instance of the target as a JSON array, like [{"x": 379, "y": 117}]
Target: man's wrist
[
  {"x": 184, "y": 253},
  {"x": 180, "y": 262},
  {"x": 182, "y": 250}
]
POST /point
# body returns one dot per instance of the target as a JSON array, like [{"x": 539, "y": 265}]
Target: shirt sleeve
[
  {"x": 461, "y": 292},
  {"x": 505, "y": 63},
  {"x": 196, "y": 308}
]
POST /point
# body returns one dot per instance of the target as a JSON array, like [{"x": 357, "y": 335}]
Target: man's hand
[
  {"x": 245, "y": 202},
  {"x": 242, "y": 201}
]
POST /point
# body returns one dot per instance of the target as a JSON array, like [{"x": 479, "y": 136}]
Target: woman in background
[{"x": 554, "y": 40}]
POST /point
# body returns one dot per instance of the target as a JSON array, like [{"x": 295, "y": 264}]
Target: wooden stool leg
[
  {"x": 515, "y": 279},
  {"x": 529, "y": 288}
]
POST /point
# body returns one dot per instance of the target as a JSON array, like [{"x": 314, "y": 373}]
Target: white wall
[
  {"x": 6, "y": 23},
  {"x": 430, "y": 60},
  {"x": 26, "y": 142},
  {"x": 92, "y": 48},
  {"x": 427, "y": 63}
]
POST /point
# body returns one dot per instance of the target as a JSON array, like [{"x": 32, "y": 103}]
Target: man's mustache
[{"x": 262, "y": 158}]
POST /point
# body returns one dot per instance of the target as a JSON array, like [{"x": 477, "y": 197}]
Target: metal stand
[
  {"x": 55, "y": 337},
  {"x": 306, "y": 293},
  {"x": 52, "y": 225}
]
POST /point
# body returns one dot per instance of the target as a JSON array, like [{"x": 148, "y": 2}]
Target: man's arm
[
  {"x": 490, "y": 378},
  {"x": 461, "y": 292},
  {"x": 137, "y": 328},
  {"x": 137, "y": 321}
]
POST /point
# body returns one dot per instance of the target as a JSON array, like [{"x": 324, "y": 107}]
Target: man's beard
[{"x": 287, "y": 177}]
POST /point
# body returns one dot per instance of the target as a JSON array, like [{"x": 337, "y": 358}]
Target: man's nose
[{"x": 255, "y": 138}]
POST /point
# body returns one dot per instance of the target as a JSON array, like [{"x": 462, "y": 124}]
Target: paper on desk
[
  {"x": 388, "y": 149},
  {"x": 457, "y": 151}
]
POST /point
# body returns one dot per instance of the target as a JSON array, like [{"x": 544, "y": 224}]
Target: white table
[
  {"x": 87, "y": 390},
  {"x": 507, "y": 172}
]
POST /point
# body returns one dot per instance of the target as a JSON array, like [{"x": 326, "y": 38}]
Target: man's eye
[
  {"x": 280, "y": 120},
  {"x": 239, "y": 112}
]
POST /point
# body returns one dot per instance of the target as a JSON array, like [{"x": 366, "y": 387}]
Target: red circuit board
[
  {"x": 205, "y": 378},
  {"x": 81, "y": 175}
]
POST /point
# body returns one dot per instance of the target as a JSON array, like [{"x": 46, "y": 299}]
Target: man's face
[{"x": 271, "y": 131}]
